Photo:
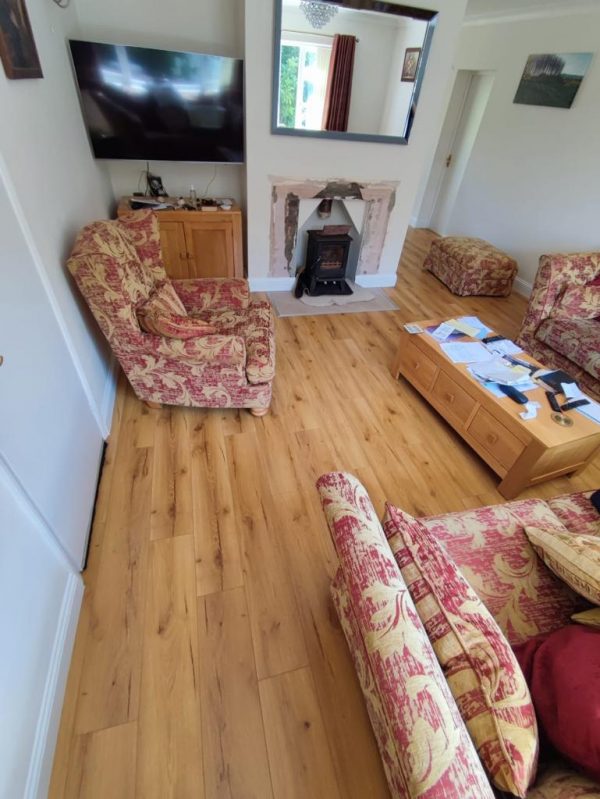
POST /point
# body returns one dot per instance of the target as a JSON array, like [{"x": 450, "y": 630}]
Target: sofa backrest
[
  {"x": 116, "y": 265},
  {"x": 491, "y": 549}
]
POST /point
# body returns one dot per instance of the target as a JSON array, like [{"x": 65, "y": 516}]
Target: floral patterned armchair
[
  {"x": 118, "y": 268},
  {"x": 562, "y": 324}
]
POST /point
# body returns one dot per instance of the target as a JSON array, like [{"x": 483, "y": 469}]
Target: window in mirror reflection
[{"x": 302, "y": 81}]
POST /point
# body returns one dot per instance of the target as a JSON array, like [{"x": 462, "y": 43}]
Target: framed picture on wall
[
  {"x": 411, "y": 64},
  {"x": 552, "y": 79},
  {"x": 17, "y": 48}
]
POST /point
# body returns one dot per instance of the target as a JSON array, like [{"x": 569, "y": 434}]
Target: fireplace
[{"x": 325, "y": 267}]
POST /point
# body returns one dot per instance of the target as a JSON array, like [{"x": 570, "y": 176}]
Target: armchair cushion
[
  {"x": 576, "y": 339},
  {"x": 578, "y": 302},
  {"x": 482, "y": 671},
  {"x": 255, "y": 324},
  {"x": 163, "y": 314},
  {"x": 214, "y": 293}
]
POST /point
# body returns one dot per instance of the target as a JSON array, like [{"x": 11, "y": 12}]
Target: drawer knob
[
  {"x": 492, "y": 438},
  {"x": 416, "y": 365},
  {"x": 449, "y": 397}
]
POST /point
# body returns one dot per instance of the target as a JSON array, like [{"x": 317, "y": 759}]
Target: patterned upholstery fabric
[
  {"x": 589, "y": 618},
  {"x": 478, "y": 663},
  {"x": 574, "y": 558},
  {"x": 469, "y": 266},
  {"x": 577, "y": 513},
  {"x": 559, "y": 781},
  {"x": 114, "y": 266},
  {"x": 491, "y": 549},
  {"x": 576, "y": 339},
  {"x": 218, "y": 292},
  {"x": 578, "y": 302},
  {"x": 427, "y": 751},
  {"x": 555, "y": 274},
  {"x": 164, "y": 314}
]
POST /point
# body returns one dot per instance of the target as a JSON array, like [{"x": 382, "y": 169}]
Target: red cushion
[{"x": 563, "y": 671}]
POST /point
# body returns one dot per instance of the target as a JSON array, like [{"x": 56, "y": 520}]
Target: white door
[
  {"x": 463, "y": 118},
  {"x": 48, "y": 435}
]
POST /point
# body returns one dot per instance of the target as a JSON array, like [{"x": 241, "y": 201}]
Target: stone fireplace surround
[{"x": 286, "y": 194}]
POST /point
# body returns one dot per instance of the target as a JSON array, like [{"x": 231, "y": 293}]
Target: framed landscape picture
[
  {"x": 17, "y": 47},
  {"x": 411, "y": 63},
  {"x": 552, "y": 79}
]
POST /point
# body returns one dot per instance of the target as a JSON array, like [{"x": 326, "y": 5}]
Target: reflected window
[{"x": 303, "y": 81}]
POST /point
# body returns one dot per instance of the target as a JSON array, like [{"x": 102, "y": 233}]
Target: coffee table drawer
[
  {"x": 415, "y": 365},
  {"x": 456, "y": 401},
  {"x": 495, "y": 438}
]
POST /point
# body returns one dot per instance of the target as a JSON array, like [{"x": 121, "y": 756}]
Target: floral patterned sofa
[
  {"x": 118, "y": 268},
  {"x": 561, "y": 329},
  {"x": 423, "y": 741}
]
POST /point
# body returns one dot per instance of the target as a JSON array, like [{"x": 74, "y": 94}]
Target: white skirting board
[
  {"x": 522, "y": 287},
  {"x": 42, "y": 754}
]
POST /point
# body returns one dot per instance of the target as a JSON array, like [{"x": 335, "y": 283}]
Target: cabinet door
[
  {"x": 174, "y": 252},
  {"x": 210, "y": 244}
]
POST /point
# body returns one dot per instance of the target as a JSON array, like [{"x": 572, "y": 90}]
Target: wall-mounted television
[{"x": 159, "y": 105}]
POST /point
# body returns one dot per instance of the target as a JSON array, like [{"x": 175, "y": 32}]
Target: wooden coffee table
[{"x": 522, "y": 453}]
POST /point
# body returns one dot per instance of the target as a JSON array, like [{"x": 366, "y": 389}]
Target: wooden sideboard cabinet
[{"x": 199, "y": 243}]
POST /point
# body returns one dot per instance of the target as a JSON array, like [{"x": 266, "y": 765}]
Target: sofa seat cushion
[
  {"x": 491, "y": 549},
  {"x": 577, "y": 513},
  {"x": 576, "y": 339},
  {"x": 433, "y": 756},
  {"x": 256, "y": 325},
  {"x": 574, "y": 558},
  {"x": 560, "y": 781},
  {"x": 482, "y": 671}
]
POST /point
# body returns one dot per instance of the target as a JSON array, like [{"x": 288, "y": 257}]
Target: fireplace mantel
[{"x": 286, "y": 194}]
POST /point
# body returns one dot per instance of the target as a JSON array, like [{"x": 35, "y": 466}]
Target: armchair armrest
[
  {"x": 203, "y": 294},
  {"x": 215, "y": 350},
  {"x": 555, "y": 273}
]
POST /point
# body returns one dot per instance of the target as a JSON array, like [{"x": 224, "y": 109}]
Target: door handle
[{"x": 448, "y": 160}]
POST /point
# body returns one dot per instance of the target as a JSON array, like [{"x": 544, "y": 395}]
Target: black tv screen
[{"x": 158, "y": 105}]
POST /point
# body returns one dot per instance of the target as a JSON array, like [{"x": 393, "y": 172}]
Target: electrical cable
[{"x": 210, "y": 182}]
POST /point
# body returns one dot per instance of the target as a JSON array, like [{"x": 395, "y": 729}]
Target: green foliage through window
[{"x": 288, "y": 85}]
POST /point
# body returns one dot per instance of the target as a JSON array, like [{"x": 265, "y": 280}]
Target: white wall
[
  {"x": 59, "y": 186},
  {"x": 207, "y": 26},
  {"x": 531, "y": 186},
  {"x": 398, "y": 92},
  {"x": 289, "y": 156}
]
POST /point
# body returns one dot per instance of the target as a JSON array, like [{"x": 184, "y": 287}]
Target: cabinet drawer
[
  {"x": 454, "y": 399},
  {"x": 417, "y": 366},
  {"x": 495, "y": 438}
]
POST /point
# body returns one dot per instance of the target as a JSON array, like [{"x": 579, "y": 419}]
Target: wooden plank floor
[{"x": 208, "y": 660}]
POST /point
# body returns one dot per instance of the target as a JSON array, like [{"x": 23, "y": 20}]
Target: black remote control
[
  {"x": 568, "y": 406},
  {"x": 553, "y": 402},
  {"x": 513, "y": 393}
]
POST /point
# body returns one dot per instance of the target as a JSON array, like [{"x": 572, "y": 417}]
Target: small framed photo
[
  {"x": 411, "y": 64},
  {"x": 17, "y": 48}
]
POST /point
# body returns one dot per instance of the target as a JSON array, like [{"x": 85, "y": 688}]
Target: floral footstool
[{"x": 469, "y": 266}]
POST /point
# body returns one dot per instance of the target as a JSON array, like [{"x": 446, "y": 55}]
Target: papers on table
[
  {"x": 494, "y": 388},
  {"x": 498, "y": 371},
  {"x": 474, "y": 321},
  {"x": 504, "y": 347},
  {"x": 573, "y": 392},
  {"x": 442, "y": 332},
  {"x": 466, "y": 352},
  {"x": 530, "y": 412}
]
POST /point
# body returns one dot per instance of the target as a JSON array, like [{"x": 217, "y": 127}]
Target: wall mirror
[{"x": 348, "y": 69}]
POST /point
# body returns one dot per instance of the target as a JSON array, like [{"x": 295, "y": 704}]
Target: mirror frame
[{"x": 360, "y": 5}]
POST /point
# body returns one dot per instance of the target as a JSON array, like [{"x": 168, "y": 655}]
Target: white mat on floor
[{"x": 360, "y": 301}]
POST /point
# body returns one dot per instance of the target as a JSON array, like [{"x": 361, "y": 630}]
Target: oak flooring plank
[
  {"x": 104, "y": 764},
  {"x": 109, "y": 686},
  {"x": 276, "y": 630},
  {"x": 172, "y": 512},
  {"x": 216, "y": 528},
  {"x": 296, "y": 739},
  {"x": 169, "y": 751},
  {"x": 235, "y": 754}
]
